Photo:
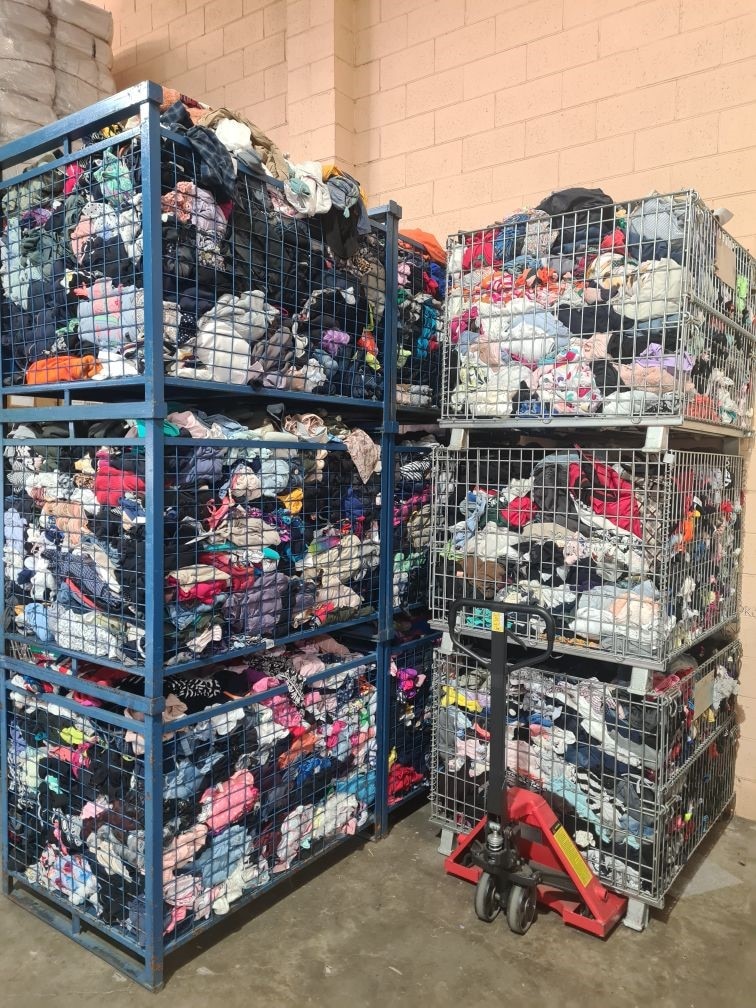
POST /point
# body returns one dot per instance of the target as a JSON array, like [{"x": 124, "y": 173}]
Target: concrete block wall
[
  {"x": 286, "y": 64},
  {"x": 464, "y": 110}
]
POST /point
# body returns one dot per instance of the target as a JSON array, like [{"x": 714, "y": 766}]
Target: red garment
[
  {"x": 402, "y": 779},
  {"x": 80, "y": 596},
  {"x": 480, "y": 252},
  {"x": 204, "y": 592},
  {"x": 615, "y": 241},
  {"x": 702, "y": 408},
  {"x": 430, "y": 286},
  {"x": 610, "y": 495},
  {"x": 519, "y": 512},
  {"x": 111, "y": 484},
  {"x": 242, "y": 578},
  {"x": 73, "y": 173}
]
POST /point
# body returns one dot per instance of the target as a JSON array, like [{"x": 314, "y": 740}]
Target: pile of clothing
[
  {"x": 601, "y": 756},
  {"x": 412, "y": 522},
  {"x": 261, "y": 537},
  {"x": 422, "y": 284},
  {"x": 250, "y": 789},
  {"x": 581, "y": 308},
  {"x": 410, "y": 722},
  {"x": 271, "y": 276},
  {"x": 632, "y": 556}
]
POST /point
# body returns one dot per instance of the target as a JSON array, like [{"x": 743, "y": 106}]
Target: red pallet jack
[{"x": 519, "y": 854}]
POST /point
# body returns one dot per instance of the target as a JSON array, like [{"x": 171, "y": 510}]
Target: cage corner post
[{"x": 391, "y": 214}]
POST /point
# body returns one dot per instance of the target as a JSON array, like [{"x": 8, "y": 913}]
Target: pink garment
[
  {"x": 190, "y": 423},
  {"x": 228, "y": 801},
  {"x": 191, "y": 204},
  {"x": 81, "y": 235},
  {"x": 307, "y": 665},
  {"x": 332, "y": 339},
  {"x": 460, "y": 324},
  {"x": 182, "y": 848},
  {"x": 284, "y": 712},
  {"x": 334, "y": 730},
  {"x": 73, "y": 174}
]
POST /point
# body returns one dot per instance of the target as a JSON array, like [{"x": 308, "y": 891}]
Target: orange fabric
[
  {"x": 301, "y": 747},
  {"x": 429, "y": 243},
  {"x": 52, "y": 370}
]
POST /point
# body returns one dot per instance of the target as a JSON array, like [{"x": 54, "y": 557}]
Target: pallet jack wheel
[
  {"x": 487, "y": 899},
  {"x": 521, "y": 908}
]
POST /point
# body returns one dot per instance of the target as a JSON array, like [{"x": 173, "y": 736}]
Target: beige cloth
[{"x": 270, "y": 153}]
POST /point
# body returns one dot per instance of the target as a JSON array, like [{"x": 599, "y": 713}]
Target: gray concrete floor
[{"x": 383, "y": 926}]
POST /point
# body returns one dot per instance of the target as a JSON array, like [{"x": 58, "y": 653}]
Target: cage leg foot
[
  {"x": 459, "y": 438},
  {"x": 636, "y": 917},
  {"x": 640, "y": 680},
  {"x": 657, "y": 440},
  {"x": 446, "y": 843},
  {"x": 446, "y": 646}
]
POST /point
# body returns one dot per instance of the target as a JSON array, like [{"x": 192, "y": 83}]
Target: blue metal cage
[
  {"x": 137, "y": 257},
  {"x": 248, "y": 790},
  {"x": 170, "y": 505}
]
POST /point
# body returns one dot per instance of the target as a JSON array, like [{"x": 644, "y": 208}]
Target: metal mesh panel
[
  {"x": 629, "y": 313},
  {"x": 412, "y": 525},
  {"x": 409, "y": 744},
  {"x": 253, "y": 293},
  {"x": 251, "y": 790},
  {"x": 420, "y": 323},
  {"x": 636, "y": 555},
  {"x": 637, "y": 780},
  {"x": 261, "y": 539}
]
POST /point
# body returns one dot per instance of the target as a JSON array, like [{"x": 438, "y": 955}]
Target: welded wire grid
[
  {"x": 421, "y": 286},
  {"x": 253, "y": 292},
  {"x": 635, "y": 555},
  {"x": 409, "y": 744},
  {"x": 412, "y": 524},
  {"x": 637, "y": 780},
  {"x": 259, "y": 539},
  {"x": 252, "y": 789},
  {"x": 628, "y": 313}
]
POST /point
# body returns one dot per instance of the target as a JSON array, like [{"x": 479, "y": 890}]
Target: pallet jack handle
[
  {"x": 500, "y": 670},
  {"x": 505, "y": 608}
]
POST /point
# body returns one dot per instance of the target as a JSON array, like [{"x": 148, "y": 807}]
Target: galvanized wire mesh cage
[
  {"x": 638, "y": 780},
  {"x": 252, "y": 789},
  {"x": 611, "y": 314},
  {"x": 635, "y": 555},
  {"x": 409, "y": 745}
]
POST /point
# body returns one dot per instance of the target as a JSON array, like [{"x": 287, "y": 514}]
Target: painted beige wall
[{"x": 463, "y": 110}]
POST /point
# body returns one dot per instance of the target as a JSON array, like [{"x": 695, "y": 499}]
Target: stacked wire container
[
  {"x": 584, "y": 355},
  {"x": 419, "y": 329},
  {"x": 198, "y": 429}
]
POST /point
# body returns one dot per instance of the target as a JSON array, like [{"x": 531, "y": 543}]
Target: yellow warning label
[
  {"x": 497, "y": 622},
  {"x": 572, "y": 855}
]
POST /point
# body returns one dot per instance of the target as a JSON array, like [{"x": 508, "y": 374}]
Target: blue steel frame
[
  {"x": 145, "y": 398},
  {"x": 426, "y": 643}
]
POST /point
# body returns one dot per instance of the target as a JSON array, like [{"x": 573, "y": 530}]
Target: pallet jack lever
[{"x": 505, "y": 609}]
